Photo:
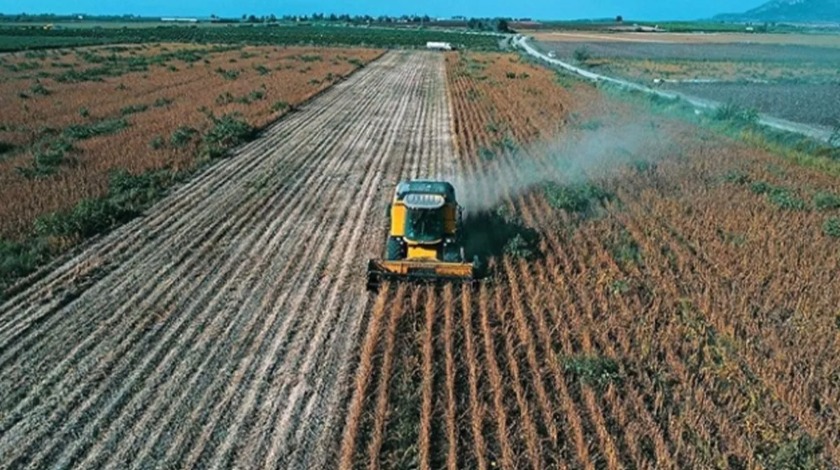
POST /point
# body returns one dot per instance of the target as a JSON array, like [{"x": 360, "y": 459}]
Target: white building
[{"x": 439, "y": 46}]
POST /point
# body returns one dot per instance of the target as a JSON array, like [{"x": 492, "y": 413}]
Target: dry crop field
[
  {"x": 659, "y": 296},
  {"x": 796, "y": 77},
  {"x": 69, "y": 118},
  {"x": 675, "y": 309}
]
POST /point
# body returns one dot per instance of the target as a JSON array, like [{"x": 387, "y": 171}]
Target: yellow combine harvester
[{"x": 424, "y": 240}]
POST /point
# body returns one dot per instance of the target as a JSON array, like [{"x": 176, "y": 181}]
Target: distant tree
[
  {"x": 619, "y": 19},
  {"x": 253, "y": 19},
  {"x": 502, "y": 25},
  {"x": 272, "y": 18},
  {"x": 332, "y": 17}
]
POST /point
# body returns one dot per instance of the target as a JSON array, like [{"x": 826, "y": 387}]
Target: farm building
[{"x": 439, "y": 46}]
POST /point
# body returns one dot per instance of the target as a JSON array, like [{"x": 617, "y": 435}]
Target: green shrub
[
  {"x": 518, "y": 247},
  {"x": 161, "y": 102},
  {"x": 574, "y": 198},
  {"x": 735, "y": 114},
  {"x": 831, "y": 227},
  {"x": 136, "y": 108},
  {"x": 800, "y": 454},
  {"x": 38, "y": 88},
  {"x": 593, "y": 370},
  {"x": 128, "y": 195},
  {"x": 19, "y": 259},
  {"x": 5, "y": 147},
  {"x": 510, "y": 75},
  {"x": 225, "y": 98},
  {"x": 227, "y": 132},
  {"x": 87, "y": 131},
  {"x": 262, "y": 69},
  {"x": 182, "y": 136},
  {"x": 582, "y": 55},
  {"x": 228, "y": 74},
  {"x": 785, "y": 199},
  {"x": 625, "y": 249},
  {"x": 279, "y": 106},
  {"x": 157, "y": 143},
  {"x": 736, "y": 177},
  {"x": 760, "y": 187},
  {"x": 84, "y": 112},
  {"x": 826, "y": 201},
  {"x": 47, "y": 159}
]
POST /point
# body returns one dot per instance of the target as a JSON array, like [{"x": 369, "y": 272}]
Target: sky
[{"x": 539, "y": 9}]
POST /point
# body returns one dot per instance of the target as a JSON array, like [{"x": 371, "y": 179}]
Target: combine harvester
[{"x": 424, "y": 241}]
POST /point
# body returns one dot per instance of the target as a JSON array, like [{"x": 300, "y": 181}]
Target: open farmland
[
  {"x": 79, "y": 125},
  {"x": 217, "y": 330},
  {"x": 659, "y": 296},
  {"x": 669, "y": 307},
  {"x": 795, "y": 77}
]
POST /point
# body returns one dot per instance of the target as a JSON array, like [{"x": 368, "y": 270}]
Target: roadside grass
[{"x": 742, "y": 124}]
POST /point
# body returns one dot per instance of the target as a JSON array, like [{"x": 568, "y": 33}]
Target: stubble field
[{"x": 659, "y": 297}]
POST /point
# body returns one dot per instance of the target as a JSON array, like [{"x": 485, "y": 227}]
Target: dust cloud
[{"x": 598, "y": 150}]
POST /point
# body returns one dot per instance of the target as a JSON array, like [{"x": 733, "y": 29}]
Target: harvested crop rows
[
  {"x": 686, "y": 319},
  {"x": 217, "y": 330},
  {"x": 659, "y": 297}
]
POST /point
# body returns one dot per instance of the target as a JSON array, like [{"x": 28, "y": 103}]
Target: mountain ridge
[{"x": 820, "y": 11}]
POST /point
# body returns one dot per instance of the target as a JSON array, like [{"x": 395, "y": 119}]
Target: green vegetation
[
  {"x": 743, "y": 125},
  {"x": 625, "y": 250},
  {"x": 802, "y": 453},
  {"x": 582, "y": 55},
  {"x": 577, "y": 198},
  {"x": 38, "y": 88},
  {"x": 182, "y": 136},
  {"x": 735, "y": 114},
  {"x": 780, "y": 196},
  {"x": 128, "y": 194},
  {"x": 15, "y": 39},
  {"x": 831, "y": 227},
  {"x": 161, "y": 102},
  {"x": 826, "y": 201},
  {"x": 518, "y": 247},
  {"x": 593, "y": 370},
  {"x": 157, "y": 143},
  {"x": 87, "y": 131},
  {"x": 280, "y": 106},
  {"x": 227, "y": 131},
  {"x": 127, "y": 197},
  {"x": 228, "y": 74},
  {"x": 135, "y": 108}
]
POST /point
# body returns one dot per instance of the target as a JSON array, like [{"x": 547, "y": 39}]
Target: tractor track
[{"x": 220, "y": 329}]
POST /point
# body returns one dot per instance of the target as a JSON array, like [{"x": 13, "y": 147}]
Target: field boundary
[{"x": 814, "y": 132}]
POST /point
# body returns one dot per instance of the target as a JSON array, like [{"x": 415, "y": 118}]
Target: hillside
[{"x": 790, "y": 10}]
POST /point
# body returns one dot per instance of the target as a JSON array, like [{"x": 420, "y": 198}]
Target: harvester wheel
[{"x": 394, "y": 250}]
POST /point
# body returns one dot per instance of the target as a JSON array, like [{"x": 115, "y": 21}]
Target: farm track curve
[{"x": 219, "y": 329}]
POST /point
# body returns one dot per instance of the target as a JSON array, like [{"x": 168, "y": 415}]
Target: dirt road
[{"x": 217, "y": 330}]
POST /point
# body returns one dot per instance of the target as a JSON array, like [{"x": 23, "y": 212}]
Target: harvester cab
[{"x": 424, "y": 242}]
